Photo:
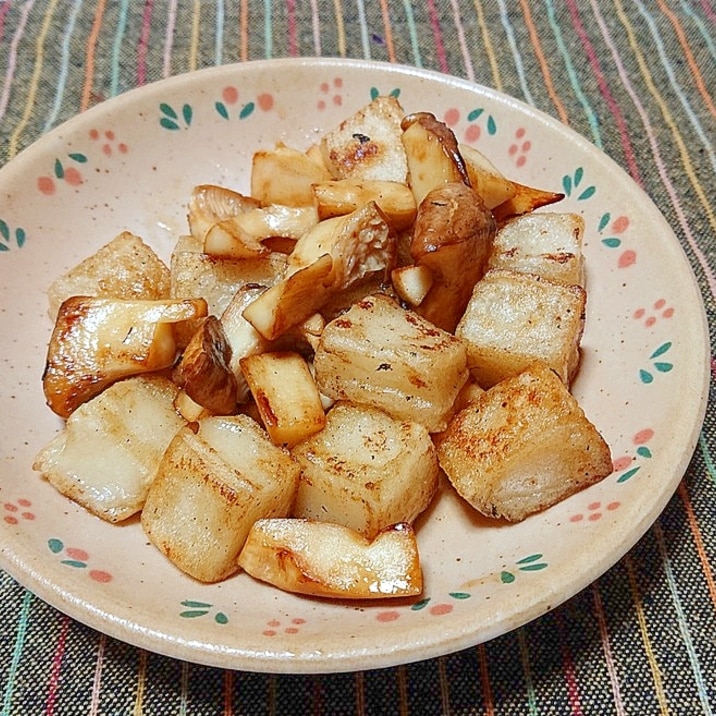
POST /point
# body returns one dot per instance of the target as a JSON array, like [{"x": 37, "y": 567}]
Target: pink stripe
[
  {"x": 144, "y": 44},
  {"x": 611, "y": 102},
  {"x": 97, "y": 681},
  {"x": 658, "y": 161},
  {"x": 12, "y": 60},
  {"x": 708, "y": 10},
  {"x": 439, "y": 47},
  {"x": 169, "y": 38},
  {"x": 4, "y": 9},
  {"x": 292, "y": 41},
  {"x": 608, "y": 656},
  {"x": 56, "y": 666},
  {"x": 568, "y": 668}
]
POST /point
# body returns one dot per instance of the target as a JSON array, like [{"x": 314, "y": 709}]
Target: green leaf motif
[
  {"x": 74, "y": 563},
  {"x": 59, "y": 169},
  {"x": 507, "y": 577},
  {"x": 530, "y": 559},
  {"x": 195, "y": 605},
  {"x": 221, "y": 109},
  {"x": 588, "y": 193},
  {"x": 643, "y": 451},
  {"x": 247, "y": 110},
  {"x": 474, "y": 115},
  {"x": 20, "y": 237},
  {"x": 193, "y": 614},
  {"x": 578, "y": 176},
  {"x": 4, "y": 230},
  {"x": 567, "y": 184},
  {"x": 187, "y": 113},
  {"x": 646, "y": 377},
  {"x": 395, "y": 92},
  {"x": 628, "y": 474},
  {"x": 221, "y": 618},
  {"x": 420, "y": 605},
  {"x": 168, "y": 123},
  {"x": 491, "y": 126},
  {"x": 604, "y": 221},
  {"x": 56, "y": 546},
  {"x": 4, "y": 247},
  {"x": 374, "y": 92},
  {"x": 663, "y": 348},
  {"x": 460, "y": 595},
  {"x": 79, "y": 158},
  {"x": 612, "y": 242},
  {"x": 663, "y": 367}
]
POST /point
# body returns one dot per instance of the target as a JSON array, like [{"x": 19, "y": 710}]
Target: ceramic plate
[{"x": 131, "y": 162}]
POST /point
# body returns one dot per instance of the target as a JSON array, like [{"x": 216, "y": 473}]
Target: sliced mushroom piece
[
  {"x": 433, "y": 154},
  {"x": 204, "y": 372},
  {"x": 97, "y": 341},
  {"x": 210, "y": 203},
  {"x": 452, "y": 236},
  {"x": 525, "y": 200}
]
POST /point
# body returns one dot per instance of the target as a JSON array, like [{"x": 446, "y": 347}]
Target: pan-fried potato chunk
[
  {"x": 514, "y": 319},
  {"x": 365, "y": 470},
  {"x": 522, "y": 446},
  {"x": 367, "y": 144},
  {"x": 124, "y": 268},
  {"x": 328, "y": 560},
  {"x": 97, "y": 341},
  {"x": 547, "y": 244},
  {"x": 286, "y": 396},
  {"x": 382, "y": 355},
  {"x": 106, "y": 456},
  {"x": 211, "y": 486}
]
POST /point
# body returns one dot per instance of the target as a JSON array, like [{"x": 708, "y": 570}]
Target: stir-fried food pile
[{"x": 283, "y": 396}]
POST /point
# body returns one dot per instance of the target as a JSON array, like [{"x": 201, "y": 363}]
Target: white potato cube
[
  {"x": 124, "y": 268},
  {"x": 365, "y": 470},
  {"x": 213, "y": 483},
  {"x": 522, "y": 446},
  {"x": 546, "y": 244},
  {"x": 107, "y": 455},
  {"x": 380, "y": 354},
  {"x": 514, "y": 319},
  {"x": 367, "y": 144}
]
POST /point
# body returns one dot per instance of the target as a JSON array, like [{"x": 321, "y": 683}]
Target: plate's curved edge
[{"x": 347, "y": 661}]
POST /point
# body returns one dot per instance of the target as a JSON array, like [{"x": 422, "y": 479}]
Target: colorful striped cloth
[{"x": 635, "y": 77}]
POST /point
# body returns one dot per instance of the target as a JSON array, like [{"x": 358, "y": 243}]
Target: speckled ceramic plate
[{"x": 131, "y": 162}]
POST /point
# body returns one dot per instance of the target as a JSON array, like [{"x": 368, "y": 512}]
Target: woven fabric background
[{"x": 635, "y": 77}]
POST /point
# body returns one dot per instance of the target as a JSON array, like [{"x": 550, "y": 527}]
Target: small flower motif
[
  {"x": 625, "y": 463},
  {"x": 108, "y": 142},
  {"x": 331, "y": 93},
  {"x": 64, "y": 171},
  {"x": 659, "y": 310},
  {"x": 77, "y": 558},
  {"x": 595, "y": 511},
  {"x": 520, "y": 147},
  {"x": 17, "y": 511},
  {"x": 276, "y": 626}
]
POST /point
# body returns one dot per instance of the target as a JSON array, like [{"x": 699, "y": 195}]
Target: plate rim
[{"x": 65, "y": 600}]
